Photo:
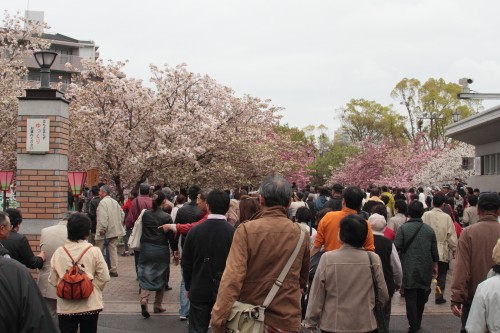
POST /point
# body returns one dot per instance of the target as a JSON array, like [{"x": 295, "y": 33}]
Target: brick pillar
[{"x": 41, "y": 181}]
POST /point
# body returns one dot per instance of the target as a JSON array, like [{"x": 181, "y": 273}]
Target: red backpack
[{"x": 75, "y": 283}]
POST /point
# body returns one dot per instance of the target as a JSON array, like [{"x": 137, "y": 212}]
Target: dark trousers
[
  {"x": 199, "y": 317},
  {"x": 128, "y": 232},
  {"x": 441, "y": 278},
  {"x": 87, "y": 323},
  {"x": 415, "y": 299},
  {"x": 465, "y": 315},
  {"x": 387, "y": 312}
]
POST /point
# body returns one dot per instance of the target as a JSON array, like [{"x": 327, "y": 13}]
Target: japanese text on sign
[{"x": 37, "y": 133}]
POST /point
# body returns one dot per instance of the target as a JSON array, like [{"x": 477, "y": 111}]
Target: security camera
[{"x": 465, "y": 81}]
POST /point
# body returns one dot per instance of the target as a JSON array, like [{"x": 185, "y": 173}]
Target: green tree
[
  {"x": 363, "y": 119},
  {"x": 430, "y": 107}
]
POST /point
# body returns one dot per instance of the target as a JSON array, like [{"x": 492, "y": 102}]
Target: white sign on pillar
[{"x": 37, "y": 135}]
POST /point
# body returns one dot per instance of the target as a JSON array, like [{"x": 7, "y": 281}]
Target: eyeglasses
[{"x": 9, "y": 226}]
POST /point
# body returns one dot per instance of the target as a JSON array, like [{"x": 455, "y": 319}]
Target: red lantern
[
  {"x": 5, "y": 180},
  {"x": 76, "y": 181}
]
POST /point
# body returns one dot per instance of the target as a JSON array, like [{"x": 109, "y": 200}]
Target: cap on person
[
  {"x": 446, "y": 186},
  {"x": 377, "y": 222}
]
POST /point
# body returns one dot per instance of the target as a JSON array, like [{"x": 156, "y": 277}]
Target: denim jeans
[{"x": 184, "y": 310}]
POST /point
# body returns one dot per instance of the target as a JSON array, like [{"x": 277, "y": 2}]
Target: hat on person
[
  {"x": 496, "y": 253},
  {"x": 446, "y": 186},
  {"x": 377, "y": 222}
]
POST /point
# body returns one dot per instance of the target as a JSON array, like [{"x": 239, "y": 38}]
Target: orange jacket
[{"x": 329, "y": 227}]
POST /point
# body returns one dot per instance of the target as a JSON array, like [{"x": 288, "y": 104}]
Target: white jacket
[
  {"x": 446, "y": 235},
  {"x": 485, "y": 308},
  {"x": 109, "y": 218},
  {"x": 95, "y": 267}
]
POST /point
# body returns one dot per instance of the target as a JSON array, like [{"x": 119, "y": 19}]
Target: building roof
[
  {"x": 479, "y": 129},
  {"x": 60, "y": 39}
]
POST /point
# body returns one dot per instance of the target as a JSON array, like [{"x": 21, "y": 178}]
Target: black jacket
[
  {"x": 383, "y": 247},
  {"x": 22, "y": 308},
  {"x": 151, "y": 220},
  {"x": 92, "y": 214},
  {"x": 19, "y": 249},
  {"x": 204, "y": 258},
  {"x": 188, "y": 213}
]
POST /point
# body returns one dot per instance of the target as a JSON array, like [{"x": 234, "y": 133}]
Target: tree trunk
[{"x": 119, "y": 189}]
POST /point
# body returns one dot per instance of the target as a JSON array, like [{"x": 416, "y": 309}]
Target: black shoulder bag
[{"x": 378, "y": 310}]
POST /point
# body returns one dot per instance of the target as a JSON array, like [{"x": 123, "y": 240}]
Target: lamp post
[
  {"x": 76, "y": 181},
  {"x": 456, "y": 116},
  {"x": 45, "y": 59},
  {"x": 5, "y": 180},
  {"x": 433, "y": 117}
]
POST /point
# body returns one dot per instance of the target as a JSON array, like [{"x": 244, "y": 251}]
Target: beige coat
[
  {"x": 342, "y": 296},
  {"x": 50, "y": 240},
  {"x": 94, "y": 265},
  {"x": 109, "y": 218},
  {"x": 443, "y": 227}
]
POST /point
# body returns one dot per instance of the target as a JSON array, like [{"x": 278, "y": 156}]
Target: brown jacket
[
  {"x": 473, "y": 260},
  {"x": 260, "y": 249}
]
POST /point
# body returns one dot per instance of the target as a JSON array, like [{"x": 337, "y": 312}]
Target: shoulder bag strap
[
  {"x": 407, "y": 245},
  {"x": 277, "y": 284},
  {"x": 375, "y": 285},
  {"x": 137, "y": 204}
]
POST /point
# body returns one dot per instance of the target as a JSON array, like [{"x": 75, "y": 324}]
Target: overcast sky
[{"x": 310, "y": 57}]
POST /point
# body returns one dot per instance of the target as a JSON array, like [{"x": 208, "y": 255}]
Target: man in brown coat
[
  {"x": 260, "y": 249},
  {"x": 473, "y": 260}
]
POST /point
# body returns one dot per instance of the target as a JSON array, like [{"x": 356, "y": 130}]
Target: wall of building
[{"x": 486, "y": 183}]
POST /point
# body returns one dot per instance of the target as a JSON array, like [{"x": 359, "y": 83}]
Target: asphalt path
[{"x": 109, "y": 323}]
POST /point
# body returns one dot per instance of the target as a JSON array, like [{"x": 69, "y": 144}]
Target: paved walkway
[{"x": 121, "y": 295}]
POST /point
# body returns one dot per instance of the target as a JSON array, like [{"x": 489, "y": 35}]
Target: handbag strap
[
  {"x": 279, "y": 281},
  {"x": 375, "y": 285}
]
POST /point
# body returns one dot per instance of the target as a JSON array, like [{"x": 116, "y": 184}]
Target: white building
[{"x": 482, "y": 131}]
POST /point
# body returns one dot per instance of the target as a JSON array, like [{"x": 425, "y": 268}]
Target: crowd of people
[{"x": 361, "y": 246}]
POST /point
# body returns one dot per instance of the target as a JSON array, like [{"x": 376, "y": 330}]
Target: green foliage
[
  {"x": 430, "y": 107},
  {"x": 294, "y": 133},
  {"x": 321, "y": 168},
  {"x": 362, "y": 119}
]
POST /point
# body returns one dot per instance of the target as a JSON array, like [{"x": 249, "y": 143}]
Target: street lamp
[
  {"x": 76, "y": 181},
  {"x": 45, "y": 59},
  {"x": 456, "y": 116},
  {"x": 5, "y": 180},
  {"x": 433, "y": 117}
]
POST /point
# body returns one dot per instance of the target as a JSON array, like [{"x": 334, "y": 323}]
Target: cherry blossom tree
[
  {"x": 112, "y": 122},
  {"x": 18, "y": 39},
  {"x": 388, "y": 163},
  {"x": 447, "y": 165},
  {"x": 190, "y": 129},
  {"x": 207, "y": 134}
]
